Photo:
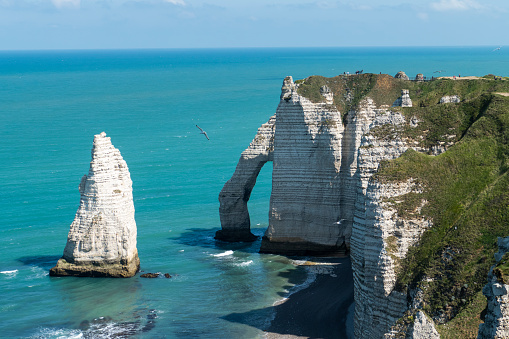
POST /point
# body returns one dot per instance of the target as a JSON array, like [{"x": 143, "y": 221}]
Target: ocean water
[{"x": 148, "y": 101}]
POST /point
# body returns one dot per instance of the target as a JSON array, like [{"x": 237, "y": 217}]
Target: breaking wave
[{"x": 224, "y": 254}]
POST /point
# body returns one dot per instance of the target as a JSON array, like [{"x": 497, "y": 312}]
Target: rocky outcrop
[
  {"x": 233, "y": 212},
  {"x": 423, "y": 328},
  {"x": 419, "y": 77},
  {"x": 404, "y": 100},
  {"x": 401, "y": 75},
  {"x": 102, "y": 237},
  {"x": 380, "y": 237},
  {"x": 450, "y": 99},
  {"x": 496, "y": 321}
]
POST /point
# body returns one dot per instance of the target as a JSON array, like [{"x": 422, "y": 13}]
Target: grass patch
[{"x": 467, "y": 321}]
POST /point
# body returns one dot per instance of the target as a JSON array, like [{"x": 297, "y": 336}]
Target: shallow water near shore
[{"x": 148, "y": 102}]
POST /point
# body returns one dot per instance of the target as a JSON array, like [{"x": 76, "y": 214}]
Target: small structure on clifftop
[
  {"x": 102, "y": 238},
  {"x": 404, "y": 100}
]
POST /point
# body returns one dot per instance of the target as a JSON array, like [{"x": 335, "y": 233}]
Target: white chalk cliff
[
  {"x": 404, "y": 100},
  {"x": 496, "y": 321},
  {"x": 305, "y": 214},
  {"x": 303, "y": 140},
  {"x": 324, "y": 198},
  {"x": 102, "y": 237}
]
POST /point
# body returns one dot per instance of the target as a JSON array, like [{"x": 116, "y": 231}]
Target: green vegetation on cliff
[{"x": 466, "y": 188}]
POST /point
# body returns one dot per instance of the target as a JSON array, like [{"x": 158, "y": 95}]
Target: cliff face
[
  {"x": 102, "y": 237},
  {"x": 305, "y": 213},
  {"x": 403, "y": 189},
  {"x": 303, "y": 140},
  {"x": 496, "y": 322}
]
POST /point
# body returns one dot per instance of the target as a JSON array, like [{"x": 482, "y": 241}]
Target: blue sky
[{"x": 90, "y": 24}]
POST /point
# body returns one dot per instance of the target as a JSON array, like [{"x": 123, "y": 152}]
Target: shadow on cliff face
[
  {"x": 43, "y": 261},
  {"x": 204, "y": 237},
  {"x": 322, "y": 310}
]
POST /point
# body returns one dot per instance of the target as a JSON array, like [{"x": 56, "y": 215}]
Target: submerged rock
[
  {"x": 102, "y": 237},
  {"x": 155, "y": 275}
]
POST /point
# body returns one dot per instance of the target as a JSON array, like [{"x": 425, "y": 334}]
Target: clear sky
[{"x": 91, "y": 24}]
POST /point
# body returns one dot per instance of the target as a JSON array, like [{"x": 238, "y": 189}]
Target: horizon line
[{"x": 239, "y": 48}]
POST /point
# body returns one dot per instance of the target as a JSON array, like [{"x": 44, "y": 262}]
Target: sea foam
[{"x": 224, "y": 254}]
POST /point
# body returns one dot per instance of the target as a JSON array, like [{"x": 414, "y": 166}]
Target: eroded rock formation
[
  {"x": 304, "y": 215},
  {"x": 404, "y": 100},
  {"x": 450, "y": 99},
  {"x": 326, "y": 199},
  {"x": 235, "y": 194},
  {"x": 102, "y": 237},
  {"x": 423, "y": 328},
  {"x": 496, "y": 322},
  {"x": 316, "y": 173}
]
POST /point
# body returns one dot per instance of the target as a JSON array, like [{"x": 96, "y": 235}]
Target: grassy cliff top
[{"x": 384, "y": 89}]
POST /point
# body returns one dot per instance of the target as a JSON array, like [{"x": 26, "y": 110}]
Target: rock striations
[
  {"x": 303, "y": 140},
  {"x": 304, "y": 214},
  {"x": 102, "y": 237}
]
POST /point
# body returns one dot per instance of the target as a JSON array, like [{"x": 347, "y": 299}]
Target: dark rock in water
[
  {"x": 102, "y": 320},
  {"x": 84, "y": 325},
  {"x": 150, "y": 325},
  {"x": 155, "y": 275},
  {"x": 152, "y": 314}
]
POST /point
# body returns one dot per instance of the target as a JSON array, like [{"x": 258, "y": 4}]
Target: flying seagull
[
  {"x": 203, "y": 132},
  {"x": 497, "y": 49},
  {"x": 438, "y": 71}
]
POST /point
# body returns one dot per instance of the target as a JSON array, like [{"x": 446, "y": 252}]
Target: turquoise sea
[{"x": 148, "y": 101}]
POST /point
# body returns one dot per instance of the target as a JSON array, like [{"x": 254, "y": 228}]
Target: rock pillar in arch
[
  {"x": 102, "y": 237},
  {"x": 304, "y": 216},
  {"x": 233, "y": 212}
]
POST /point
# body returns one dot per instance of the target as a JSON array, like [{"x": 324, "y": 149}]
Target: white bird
[
  {"x": 497, "y": 49},
  {"x": 203, "y": 132}
]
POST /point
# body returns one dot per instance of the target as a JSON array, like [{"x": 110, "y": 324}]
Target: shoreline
[{"x": 322, "y": 308}]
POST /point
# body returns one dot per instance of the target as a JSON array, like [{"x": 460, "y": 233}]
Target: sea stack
[{"x": 102, "y": 238}]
